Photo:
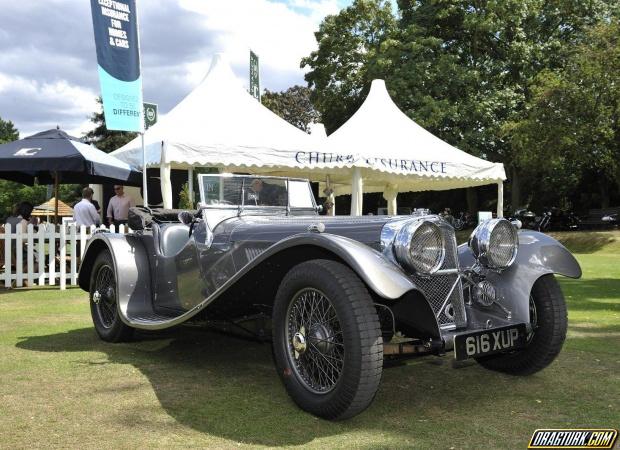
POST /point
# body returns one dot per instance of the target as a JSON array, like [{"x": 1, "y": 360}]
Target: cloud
[
  {"x": 37, "y": 106},
  {"x": 48, "y": 72}
]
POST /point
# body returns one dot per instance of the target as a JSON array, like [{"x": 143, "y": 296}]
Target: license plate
[{"x": 488, "y": 342}]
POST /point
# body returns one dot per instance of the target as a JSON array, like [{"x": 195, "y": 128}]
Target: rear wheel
[
  {"x": 549, "y": 322},
  {"x": 327, "y": 339},
  {"x": 103, "y": 301}
]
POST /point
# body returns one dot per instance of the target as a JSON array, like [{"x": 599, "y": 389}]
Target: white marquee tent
[
  {"x": 385, "y": 151},
  {"x": 378, "y": 150},
  {"x": 219, "y": 124}
]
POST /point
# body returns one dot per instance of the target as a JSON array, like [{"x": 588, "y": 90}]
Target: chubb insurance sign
[
  {"x": 118, "y": 58},
  {"x": 320, "y": 159}
]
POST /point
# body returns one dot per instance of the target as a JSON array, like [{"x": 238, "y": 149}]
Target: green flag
[
  {"x": 150, "y": 114},
  {"x": 254, "y": 76}
]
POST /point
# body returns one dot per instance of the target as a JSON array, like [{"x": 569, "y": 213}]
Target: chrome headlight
[
  {"x": 419, "y": 247},
  {"x": 494, "y": 243}
]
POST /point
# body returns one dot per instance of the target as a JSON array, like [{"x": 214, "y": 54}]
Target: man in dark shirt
[{"x": 265, "y": 194}]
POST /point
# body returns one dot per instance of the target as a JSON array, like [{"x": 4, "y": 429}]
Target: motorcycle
[
  {"x": 527, "y": 218},
  {"x": 464, "y": 221},
  {"x": 555, "y": 219}
]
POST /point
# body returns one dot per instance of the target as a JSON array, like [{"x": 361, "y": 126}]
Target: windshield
[{"x": 249, "y": 191}]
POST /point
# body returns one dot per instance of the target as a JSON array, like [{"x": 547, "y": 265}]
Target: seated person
[{"x": 265, "y": 194}]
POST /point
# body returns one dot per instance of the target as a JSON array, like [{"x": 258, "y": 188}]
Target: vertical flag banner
[
  {"x": 118, "y": 58},
  {"x": 150, "y": 114},
  {"x": 254, "y": 76}
]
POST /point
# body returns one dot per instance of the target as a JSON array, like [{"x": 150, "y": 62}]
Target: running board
[{"x": 149, "y": 320}]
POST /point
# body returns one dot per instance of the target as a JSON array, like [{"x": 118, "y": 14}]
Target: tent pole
[
  {"x": 357, "y": 189},
  {"x": 164, "y": 173},
  {"x": 390, "y": 192},
  {"x": 166, "y": 187},
  {"x": 145, "y": 192},
  {"x": 500, "y": 199},
  {"x": 190, "y": 184},
  {"x": 55, "y": 198}
]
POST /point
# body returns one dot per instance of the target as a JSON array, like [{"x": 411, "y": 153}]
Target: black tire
[
  {"x": 103, "y": 305},
  {"x": 359, "y": 345},
  {"x": 550, "y": 321}
]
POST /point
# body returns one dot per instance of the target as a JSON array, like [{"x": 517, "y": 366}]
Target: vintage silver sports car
[{"x": 337, "y": 295}]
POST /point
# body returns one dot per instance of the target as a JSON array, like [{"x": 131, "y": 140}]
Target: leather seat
[{"x": 172, "y": 238}]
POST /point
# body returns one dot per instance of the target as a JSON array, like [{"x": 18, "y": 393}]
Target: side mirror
[
  {"x": 186, "y": 217},
  {"x": 320, "y": 208}
]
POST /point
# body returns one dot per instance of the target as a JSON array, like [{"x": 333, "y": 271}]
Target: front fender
[
  {"x": 538, "y": 255},
  {"x": 411, "y": 309},
  {"x": 382, "y": 276}
]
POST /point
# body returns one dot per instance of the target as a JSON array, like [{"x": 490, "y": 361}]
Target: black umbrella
[{"x": 53, "y": 156}]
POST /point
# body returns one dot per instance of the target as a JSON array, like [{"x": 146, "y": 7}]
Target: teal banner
[{"x": 118, "y": 57}]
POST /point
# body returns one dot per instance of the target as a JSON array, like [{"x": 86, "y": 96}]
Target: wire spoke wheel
[
  {"x": 105, "y": 296},
  {"x": 327, "y": 339},
  {"x": 316, "y": 348},
  {"x": 104, "y": 305}
]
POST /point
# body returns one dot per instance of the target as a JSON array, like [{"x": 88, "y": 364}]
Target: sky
[{"x": 48, "y": 64}]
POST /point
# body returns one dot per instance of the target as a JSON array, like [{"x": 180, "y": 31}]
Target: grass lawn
[{"x": 62, "y": 387}]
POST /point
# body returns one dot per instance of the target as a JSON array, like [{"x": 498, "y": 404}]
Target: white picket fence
[{"x": 32, "y": 257}]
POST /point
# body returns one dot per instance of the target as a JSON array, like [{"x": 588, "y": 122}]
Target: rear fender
[
  {"x": 538, "y": 255},
  {"x": 132, "y": 267}
]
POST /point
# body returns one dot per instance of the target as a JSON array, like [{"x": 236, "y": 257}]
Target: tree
[
  {"x": 466, "y": 66},
  {"x": 348, "y": 58},
  {"x": 104, "y": 139},
  {"x": 572, "y": 120},
  {"x": 293, "y": 105},
  {"x": 463, "y": 69},
  {"x": 8, "y": 132}
]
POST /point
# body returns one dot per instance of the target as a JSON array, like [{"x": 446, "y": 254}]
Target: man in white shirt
[
  {"x": 118, "y": 208},
  {"x": 84, "y": 212}
]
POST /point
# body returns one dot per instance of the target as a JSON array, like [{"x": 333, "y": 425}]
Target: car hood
[{"x": 365, "y": 229}]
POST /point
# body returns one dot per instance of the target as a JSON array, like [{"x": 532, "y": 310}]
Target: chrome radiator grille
[{"x": 444, "y": 291}]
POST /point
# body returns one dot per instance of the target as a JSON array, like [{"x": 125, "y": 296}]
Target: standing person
[
  {"x": 118, "y": 208},
  {"x": 84, "y": 212},
  {"x": 21, "y": 217}
]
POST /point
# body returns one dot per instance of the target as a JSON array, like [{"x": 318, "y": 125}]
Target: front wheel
[
  {"x": 327, "y": 341},
  {"x": 549, "y": 322},
  {"x": 103, "y": 301}
]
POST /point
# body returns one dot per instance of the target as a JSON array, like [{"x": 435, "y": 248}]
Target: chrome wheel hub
[
  {"x": 96, "y": 297},
  {"x": 299, "y": 344}
]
